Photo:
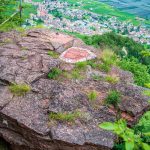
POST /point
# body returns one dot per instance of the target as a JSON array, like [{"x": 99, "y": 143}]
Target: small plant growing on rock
[
  {"x": 6, "y": 41},
  {"x": 69, "y": 117},
  {"x": 113, "y": 98},
  {"x": 55, "y": 73},
  {"x": 92, "y": 63},
  {"x": 53, "y": 54},
  {"x": 108, "y": 58},
  {"x": 19, "y": 89},
  {"x": 92, "y": 96},
  {"x": 81, "y": 65},
  {"x": 112, "y": 79},
  {"x": 75, "y": 74},
  {"x": 104, "y": 67},
  {"x": 20, "y": 29},
  {"x": 24, "y": 48},
  {"x": 96, "y": 77},
  {"x": 146, "y": 92}
]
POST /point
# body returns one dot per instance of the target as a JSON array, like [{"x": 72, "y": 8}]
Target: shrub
[
  {"x": 70, "y": 117},
  {"x": 143, "y": 127},
  {"x": 131, "y": 140},
  {"x": 113, "y": 98},
  {"x": 140, "y": 71},
  {"x": 92, "y": 96},
  {"x": 53, "y": 54},
  {"x": 19, "y": 89},
  {"x": 116, "y": 42},
  {"x": 55, "y": 73},
  {"x": 111, "y": 79}
]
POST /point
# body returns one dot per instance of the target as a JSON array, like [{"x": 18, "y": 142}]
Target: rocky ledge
[{"x": 25, "y": 120}]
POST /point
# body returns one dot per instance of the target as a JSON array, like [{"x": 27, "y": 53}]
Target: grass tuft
[
  {"x": 19, "y": 89},
  {"x": 113, "y": 98},
  {"x": 104, "y": 67},
  {"x": 54, "y": 73},
  {"x": 75, "y": 74},
  {"x": 108, "y": 58},
  {"x": 92, "y": 63},
  {"x": 69, "y": 117},
  {"x": 53, "y": 54},
  {"x": 92, "y": 96},
  {"x": 112, "y": 79},
  {"x": 81, "y": 65}
]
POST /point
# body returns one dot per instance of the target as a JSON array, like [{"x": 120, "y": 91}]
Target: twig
[{"x": 9, "y": 18}]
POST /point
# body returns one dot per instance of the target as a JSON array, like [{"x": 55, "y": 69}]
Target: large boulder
[{"x": 25, "y": 120}]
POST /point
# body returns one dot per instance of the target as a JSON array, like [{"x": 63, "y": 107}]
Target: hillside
[
  {"x": 48, "y": 101},
  {"x": 89, "y": 17},
  {"x": 74, "y": 75}
]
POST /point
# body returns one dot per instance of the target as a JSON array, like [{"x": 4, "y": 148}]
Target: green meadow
[{"x": 104, "y": 9}]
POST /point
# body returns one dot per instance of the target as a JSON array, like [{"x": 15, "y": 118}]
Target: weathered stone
[
  {"x": 91, "y": 72},
  {"x": 66, "y": 67},
  {"x": 6, "y": 96},
  {"x": 134, "y": 102},
  {"x": 51, "y": 40},
  {"x": 19, "y": 66},
  {"x": 124, "y": 76},
  {"x": 25, "y": 121}
]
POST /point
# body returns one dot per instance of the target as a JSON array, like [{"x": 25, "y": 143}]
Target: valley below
[{"x": 139, "y": 8}]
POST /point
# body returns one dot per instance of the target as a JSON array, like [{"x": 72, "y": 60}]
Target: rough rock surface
[{"x": 24, "y": 120}]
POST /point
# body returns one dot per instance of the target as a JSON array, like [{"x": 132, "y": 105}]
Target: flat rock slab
[
  {"x": 25, "y": 121},
  {"x": 50, "y": 40},
  {"x": 76, "y": 54},
  {"x": 59, "y": 38}
]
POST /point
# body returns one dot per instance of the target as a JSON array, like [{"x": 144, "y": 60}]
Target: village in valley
[{"x": 62, "y": 15}]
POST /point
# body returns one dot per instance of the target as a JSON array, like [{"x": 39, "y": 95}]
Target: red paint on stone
[{"x": 77, "y": 54}]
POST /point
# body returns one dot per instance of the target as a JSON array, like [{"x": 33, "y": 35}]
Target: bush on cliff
[{"x": 140, "y": 71}]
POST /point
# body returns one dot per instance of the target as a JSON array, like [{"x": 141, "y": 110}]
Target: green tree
[{"x": 10, "y": 13}]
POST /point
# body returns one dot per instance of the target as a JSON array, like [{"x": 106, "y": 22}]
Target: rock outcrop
[{"x": 25, "y": 121}]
